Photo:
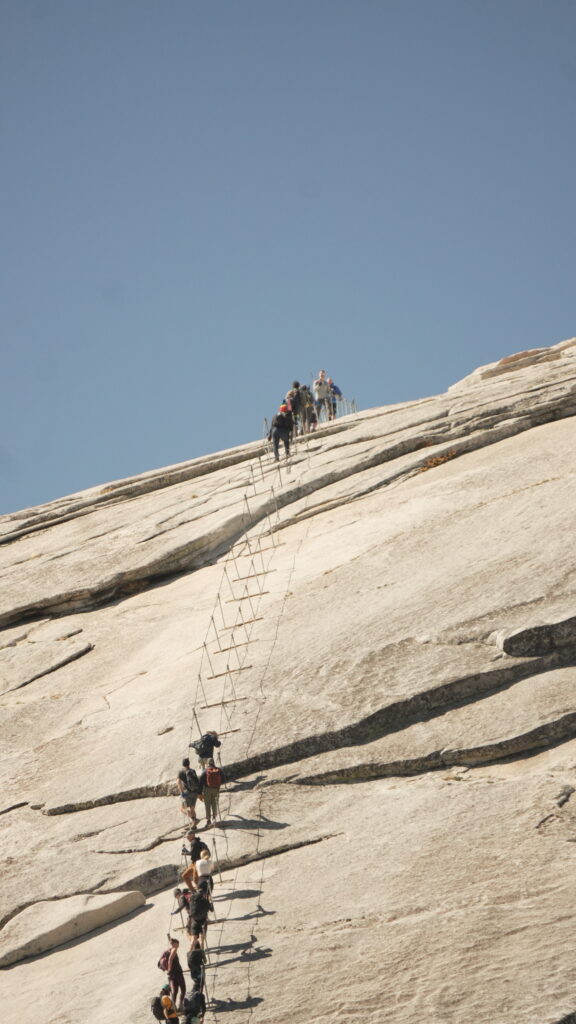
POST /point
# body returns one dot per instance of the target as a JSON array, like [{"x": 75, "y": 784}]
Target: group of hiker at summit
[
  {"x": 193, "y": 899},
  {"x": 302, "y": 409}
]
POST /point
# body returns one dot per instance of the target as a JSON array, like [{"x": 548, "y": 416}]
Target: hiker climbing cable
[
  {"x": 195, "y": 1006},
  {"x": 281, "y": 430},
  {"x": 204, "y": 869},
  {"x": 182, "y": 897},
  {"x": 196, "y": 961},
  {"x": 309, "y": 418},
  {"x": 294, "y": 402},
  {"x": 334, "y": 397},
  {"x": 197, "y": 845},
  {"x": 168, "y": 1008},
  {"x": 189, "y": 789},
  {"x": 211, "y": 780},
  {"x": 321, "y": 389},
  {"x": 204, "y": 747},
  {"x": 176, "y": 975},
  {"x": 200, "y": 907}
]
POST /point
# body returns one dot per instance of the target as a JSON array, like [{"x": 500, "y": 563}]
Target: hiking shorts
[{"x": 189, "y": 799}]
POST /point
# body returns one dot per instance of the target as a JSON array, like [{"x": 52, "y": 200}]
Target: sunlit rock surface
[{"x": 399, "y": 831}]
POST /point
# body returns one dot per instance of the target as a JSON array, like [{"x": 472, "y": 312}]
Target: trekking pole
[{"x": 216, "y": 858}]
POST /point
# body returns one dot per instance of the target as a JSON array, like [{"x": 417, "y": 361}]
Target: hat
[
  {"x": 283, "y": 408},
  {"x": 165, "y": 988}
]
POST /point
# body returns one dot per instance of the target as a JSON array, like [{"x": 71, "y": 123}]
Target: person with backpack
[
  {"x": 335, "y": 397},
  {"x": 195, "y": 1006},
  {"x": 200, "y": 907},
  {"x": 197, "y": 846},
  {"x": 156, "y": 1005},
  {"x": 210, "y": 781},
  {"x": 176, "y": 975},
  {"x": 183, "y": 897},
  {"x": 196, "y": 961},
  {"x": 281, "y": 429},
  {"x": 189, "y": 789},
  {"x": 204, "y": 747},
  {"x": 306, "y": 408},
  {"x": 168, "y": 1008},
  {"x": 294, "y": 402}
]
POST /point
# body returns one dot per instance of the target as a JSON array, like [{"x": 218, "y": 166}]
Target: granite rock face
[{"x": 384, "y": 630}]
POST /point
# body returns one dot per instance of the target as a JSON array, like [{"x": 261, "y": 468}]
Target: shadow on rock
[
  {"x": 240, "y": 894},
  {"x": 259, "y": 912},
  {"x": 222, "y": 1005},
  {"x": 252, "y": 823},
  {"x": 241, "y": 787},
  {"x": 247, "y": 956}
]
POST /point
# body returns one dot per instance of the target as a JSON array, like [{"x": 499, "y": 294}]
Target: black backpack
[
  {"x": 157, "y": 1008},
  {"x": 204, "y": 746},
  {"x": 195, "y": 958},
  {"x": 193, "y": 784},
  {"x": 199, "y": 906},
  {"x": 193, "y": 1004}
]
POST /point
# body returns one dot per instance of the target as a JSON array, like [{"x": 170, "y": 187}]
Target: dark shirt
[
  {"x": 283, "y": 421},
  {"x": 196, "y": 847},
  {"x": 196, "y": 959},
  {"x": 195, "y": 1005},
  {"x": 183, "y": 905}
]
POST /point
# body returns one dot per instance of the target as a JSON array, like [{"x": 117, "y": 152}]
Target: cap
[{"x": 283, "y": 408}]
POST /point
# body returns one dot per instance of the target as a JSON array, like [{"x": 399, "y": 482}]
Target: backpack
[
  {"x": 157, "y": 1008},
  {"x": 192, "y": 781},
  {"x": 213, "y": 777},
  {"x": 199, "y": 906},
  {"x": 186, "y": 896},
  {"x": 282, "y": 421},
  {"x": 195, "y": 959},
  {"x": 204, "y": 746},
  {"x": 295, "y": 399},
  {"x": 305, "y": 397},
  {"x": 163, "y": 961},
  {"x": 193, "y": 1004}
]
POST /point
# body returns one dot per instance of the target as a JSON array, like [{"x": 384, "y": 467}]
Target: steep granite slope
[{"x": 399, "y": 712}]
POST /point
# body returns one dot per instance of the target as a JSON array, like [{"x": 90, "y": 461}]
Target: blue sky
[{"x": 203, "y": 200}]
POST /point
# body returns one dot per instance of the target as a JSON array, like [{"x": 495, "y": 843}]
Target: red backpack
[
  {"x": 163, "y": 961},
  {"x": 213, "y": 777}
]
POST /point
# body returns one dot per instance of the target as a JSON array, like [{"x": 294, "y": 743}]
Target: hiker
[
  {"x": 199, "y": 909},
  {"x": 334, "y": 397},
  {"x": 281, "y": 430},
  {"x": 322, "y": 394},
  {"x": 294, "y": 402},
  {"x": 204, "y": 868},
  {"x": 210, "y": 781},
  {"x": 195, "y": 1006},
  {"x": 167, "y": 1004},
  {"x": 204, "y": 747},
  {"x": 176, "y": 975},
  {"x": 308, "y": 411},
  {"x": 182, "y": 897},
  {"x": 189, "y": 790},
  {"x": 196, "y": 960},
  {"x": 196, "y": 846}
]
